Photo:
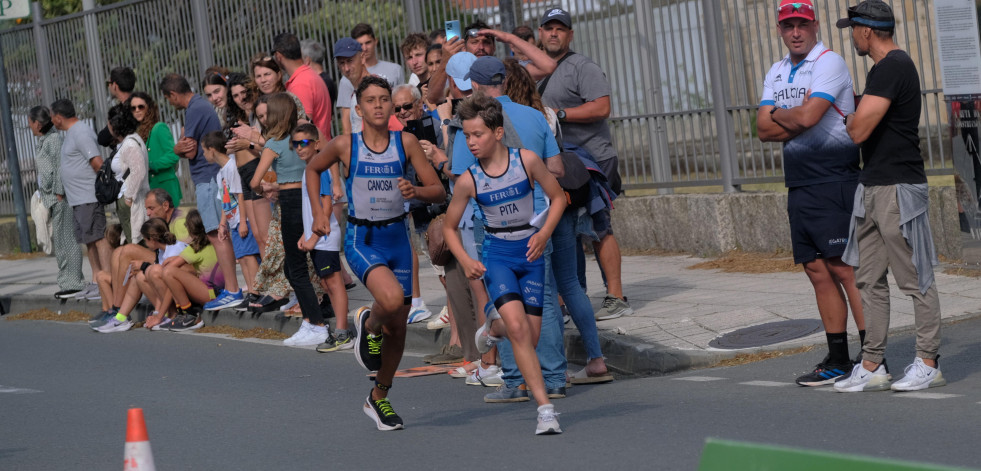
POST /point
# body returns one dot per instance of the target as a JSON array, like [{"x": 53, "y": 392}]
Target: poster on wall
[{"x": 960, "y": 64}]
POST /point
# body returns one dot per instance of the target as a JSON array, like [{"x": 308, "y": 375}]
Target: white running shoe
[
  {"x": 484, "y": 340},
  {"x": 440, "y": 322},
  {"x": 860, "y": 379},
  {"x": 490, "y": 377},
  {"x": 920, "y": 376},
  {"x": 548, "y": 421},
  {"x": 115, "y": 325},
  {"x": 300, "y": 333},
  {"x": 419, "y": 313}
]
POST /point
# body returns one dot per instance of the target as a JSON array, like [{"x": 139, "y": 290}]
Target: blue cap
[
  {"x": 346, "y": 47},
  {"x": 458, "y": 67},
  {"x": 487, "y": 70}
]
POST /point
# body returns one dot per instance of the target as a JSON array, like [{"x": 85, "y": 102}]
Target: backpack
[{"x": 106, "y": 186}]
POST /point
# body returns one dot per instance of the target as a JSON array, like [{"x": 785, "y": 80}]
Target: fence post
[
  {"x": 41, "y": 51},
  {"x": 413, "y": 16},
  {"x": 649, "y": 62},
  {"x": 10, "y": 146},
  {"x": 206, "y": 57},
  {"x": 96, "y": 69},
  {"x": 712, "y": 25}
]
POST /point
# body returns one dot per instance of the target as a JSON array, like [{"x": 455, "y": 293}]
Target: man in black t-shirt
[{"x": 891, "y": 225}]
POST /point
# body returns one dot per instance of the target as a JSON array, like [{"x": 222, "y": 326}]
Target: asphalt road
[{"x": 216, "y": 403}]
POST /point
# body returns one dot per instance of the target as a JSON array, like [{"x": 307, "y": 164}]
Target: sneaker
[
  {"x": 94, "y": 294},
  {"x": 555, "y": 393},
  {"x": 103, "y": 319},
  {"x": 489, "y": 377},
  {"x": 224, "y": 300},
  {"x": 453, "y": 354},
  {"x": 115, "y": 325},
  {"x": 419, "y": 314},
  {"x": 429, "y": 358},
  {"x": 163, "y": 325},
  {"x": 367, "y": 346},
  {"x": 506, "y": 394},
  {"x": 461, "y": 371},
  {"x": 66, "y": 294},
  {"x": 613, "y": 307},
  {"x": 189, "y": 321},
  {"x": 860, "y": 380},
  {"x": 920, "y": 376},
  {"x": 86, "y": 291},
  {"x": 304, "y": 326},
  {"x": 485, "y": 341},
  {"x": 824, "y": 373},
  {"x": 342, "y": 340},
  {"x": 382, "y": 413},
  {"x": 548, "y": 421},
  {"x": 314, "y": 335},
  {"x": 440, "y": 322},
  {"x": 566, "y": 316}
]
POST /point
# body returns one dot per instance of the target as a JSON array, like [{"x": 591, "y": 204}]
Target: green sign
[{"x": 13, "y": 9}]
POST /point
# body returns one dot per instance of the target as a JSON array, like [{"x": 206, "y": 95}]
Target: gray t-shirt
[
  {"x": 579, "y": 80},
  {"x": 77, "y": 175},
  {"x": 387, "y": 70}
]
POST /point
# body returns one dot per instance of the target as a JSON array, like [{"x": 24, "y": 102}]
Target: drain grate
[{"x": 767, "y": 334}]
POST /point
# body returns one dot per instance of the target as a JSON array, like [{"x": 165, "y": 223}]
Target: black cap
[
  {"x": 875, "y": 14},
  {"x": 557, "y": 14}
]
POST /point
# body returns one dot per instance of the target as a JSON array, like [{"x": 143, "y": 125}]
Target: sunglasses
[
  {"x": 139, "y": 107},
  {"x": 406, "y": 107},
  {"x": 473, "y": 33},
  {"x": 303, "y": 143},
  {"x": 795, "y": 8}
]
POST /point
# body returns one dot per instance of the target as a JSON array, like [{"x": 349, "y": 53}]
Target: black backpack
[{"x": 106, "y": 186}]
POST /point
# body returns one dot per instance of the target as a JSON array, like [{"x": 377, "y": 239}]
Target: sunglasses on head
[
  {"x": 303, "y": 143},
  {"x": 406, "y": 107},
  {"x": 795, "y": 8}
]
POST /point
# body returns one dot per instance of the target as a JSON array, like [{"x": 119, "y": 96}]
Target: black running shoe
[
  {"x": 367, "y": 346},
  {"x": 382, "y": 413},
  {"x": 824, "y": 373}
]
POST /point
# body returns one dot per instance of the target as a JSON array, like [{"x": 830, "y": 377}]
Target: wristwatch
[{"x": 560, "y": 114}]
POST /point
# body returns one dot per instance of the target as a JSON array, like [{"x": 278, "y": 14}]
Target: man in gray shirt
[
  {"x": 579, "y": 92},
  {"x": 80, "y": 161},
  {"x": 391, "y": 72}
]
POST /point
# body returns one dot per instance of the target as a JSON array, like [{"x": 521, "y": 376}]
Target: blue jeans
[
  {"x": 564, "y": 267},
  {"x": 551, "y": 346}
]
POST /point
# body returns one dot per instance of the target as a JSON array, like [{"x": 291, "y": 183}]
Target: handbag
[{"x": 439, "y": 253}]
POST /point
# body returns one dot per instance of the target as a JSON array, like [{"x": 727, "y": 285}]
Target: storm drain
[{"x": 767, "y": 334}]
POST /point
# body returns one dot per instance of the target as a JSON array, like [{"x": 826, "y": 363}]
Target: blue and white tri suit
[
  {"x": 377, "y": 234},
  {"x": 507, "y": 207}
]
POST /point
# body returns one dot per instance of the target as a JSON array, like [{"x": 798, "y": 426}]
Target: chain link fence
[{"x": 686, "y": 74}]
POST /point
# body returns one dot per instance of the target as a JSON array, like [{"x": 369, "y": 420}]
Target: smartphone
[
  {"x": 452, "y": 29},
  {"x": 424, "y": 129}
]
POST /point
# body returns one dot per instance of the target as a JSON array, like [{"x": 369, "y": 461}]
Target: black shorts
[
  {"x": 611, "y": 167},
  {"x": 326, "y": 262},
  {"x": 819, "y": 219},
  {"x": 246, "y": 172}
]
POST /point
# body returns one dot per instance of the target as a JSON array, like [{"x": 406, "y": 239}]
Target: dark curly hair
[
  {"x": 151, "y": 117},
  {"x": 122, "y": 121}
]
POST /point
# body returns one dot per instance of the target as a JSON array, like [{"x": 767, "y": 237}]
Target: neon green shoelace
[
  {"x": 385, "y": 407},
  {"x": 374, "y": 344}
]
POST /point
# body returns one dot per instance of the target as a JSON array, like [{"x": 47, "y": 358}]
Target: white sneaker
[
  {"x": 919, "y": 376},
  {"x": 440, "y": 322},
  {"x": 490, "y": 377},
  {"x": 461, "y": 371},
  {"x": 315, "y": 335},
  {"x": 860, "y": 379},
  {"x": 419, "y": 313},
  {"x": 484, "y": 340},
  {"x": 115, "y": 325},
  {"x": 548, "y": 421},
  {"x": 301, "y": 332}
]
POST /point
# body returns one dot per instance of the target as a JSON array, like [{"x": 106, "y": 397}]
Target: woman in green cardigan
[{"x": 159, "y": 144}]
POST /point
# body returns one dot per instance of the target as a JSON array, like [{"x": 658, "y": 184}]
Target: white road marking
[
  {"x": 766, "y": 384},
  {"x": 11, "y": 390},
  {"x": 926, "y": 395},
  {"x": 698, "y": 378}
]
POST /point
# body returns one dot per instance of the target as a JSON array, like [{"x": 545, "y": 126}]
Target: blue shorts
[
  {"x": 367, "y": 248},
  {"x": 511, "y": 277},
  {"x": 208, "y": 205},
  {"x": 819, "y": 219},
  {"x": 243, "y": 246}
]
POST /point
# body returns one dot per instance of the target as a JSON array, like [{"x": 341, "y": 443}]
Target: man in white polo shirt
[{"x": 805, "y": 97}]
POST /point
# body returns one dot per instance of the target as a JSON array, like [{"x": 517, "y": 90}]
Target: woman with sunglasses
[{"x": 159, "y": 145}]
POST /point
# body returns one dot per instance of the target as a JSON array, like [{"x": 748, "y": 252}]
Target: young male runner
[{"x": 377, "y": 243}]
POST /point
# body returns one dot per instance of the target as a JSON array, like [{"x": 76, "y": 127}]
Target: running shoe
[
  {"x": 919, "y": 376},
  {"x": 341, "y": 341},
  {"x": 189, "y": 321},
  {"x": 824, "y": 373},
  {"x": 613, "y": 307},
  {"x": 485, "y": 341},
  {"x": 548, "y": 421},
  {"x": 380, "y": 410},
  {"x": 163, "y": 325},
  {"x": 66, "y": 294},
  {"x": 115, "y": 325},
  {"x": 506, "y": 394},
  {"x": 224, "y": 300},
  {"x": 419, "y": 314},
  {"x": 862, "y": 380},
  {"x": 490, "y": 377},
  {"x": 367, "y": 346}
]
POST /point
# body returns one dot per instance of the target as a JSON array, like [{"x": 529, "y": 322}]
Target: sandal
[{"x": 268, "y": 303}]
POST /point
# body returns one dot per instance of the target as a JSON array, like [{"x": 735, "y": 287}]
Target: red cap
[{"x": 795, "y": 9}]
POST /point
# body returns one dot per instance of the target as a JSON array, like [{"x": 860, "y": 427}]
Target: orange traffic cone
[{"x": 138, "y": 455}]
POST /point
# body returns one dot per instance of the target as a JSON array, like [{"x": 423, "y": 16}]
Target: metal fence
[{"x": 686, "y": 74}]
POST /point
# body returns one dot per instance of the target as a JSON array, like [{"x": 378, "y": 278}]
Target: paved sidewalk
[{"x": 677, "y": 310}]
